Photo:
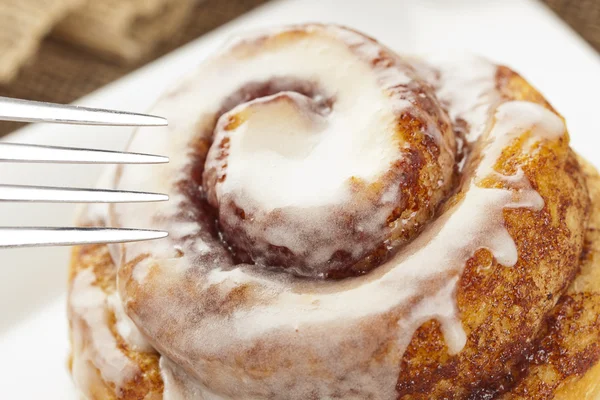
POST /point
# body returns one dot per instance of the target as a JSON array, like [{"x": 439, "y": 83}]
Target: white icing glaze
[
  {"x": 467, "y": 86},
  {"x": 125, "y": 326},
  {"x": 287, "y": 318},
  {"x": 179, "y": 385},
  {"x": 290, "y": 160},
  {"x": 88, "y": 307},
  {"x": 286, "y": 155}
]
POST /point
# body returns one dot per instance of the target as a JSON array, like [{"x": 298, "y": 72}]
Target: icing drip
[
  {"x": 467, "y": 86},
  {"x": 89, "y": 307},
  {"x": 125, "y": 326},
  {"x": 179, "y": 385}
]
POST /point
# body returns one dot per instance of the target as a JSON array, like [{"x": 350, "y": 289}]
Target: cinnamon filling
[{"x": 350, "y": 238}]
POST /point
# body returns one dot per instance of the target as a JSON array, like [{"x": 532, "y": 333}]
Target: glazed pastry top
[{"x": 326, "y": 198}]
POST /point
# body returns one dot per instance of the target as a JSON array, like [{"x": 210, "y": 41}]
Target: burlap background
[{"x": 62, "y": 73}]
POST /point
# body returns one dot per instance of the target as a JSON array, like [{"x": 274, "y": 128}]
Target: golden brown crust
[
  {"x": 563, "y": 363},
  {"x": 503, "y": 308},
  {"x": 148, "y": 381}
]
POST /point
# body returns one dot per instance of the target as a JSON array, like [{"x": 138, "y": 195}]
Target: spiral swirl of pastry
[{"x": 336, "y": 209}]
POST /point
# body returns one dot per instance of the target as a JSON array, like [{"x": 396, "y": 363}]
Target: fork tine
[
  {"x": 74, "y": 195},
  {"x": 35, "y": 111},
  {"x": 46, "y": 236},
  {"x": 15, "y": 152}
]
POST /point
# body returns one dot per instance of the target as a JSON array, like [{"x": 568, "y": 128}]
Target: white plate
[{"x": 519, "y": 33}]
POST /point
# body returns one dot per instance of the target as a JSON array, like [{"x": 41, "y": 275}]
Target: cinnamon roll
[{"x": 346, "y": 223}]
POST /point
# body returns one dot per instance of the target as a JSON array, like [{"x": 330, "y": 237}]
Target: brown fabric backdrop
[
  {"x": 63, "y": 73},
  {"x": 582, "y": 15}
]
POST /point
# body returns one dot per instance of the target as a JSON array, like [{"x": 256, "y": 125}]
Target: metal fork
[{"x": 31, "y": 111}]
